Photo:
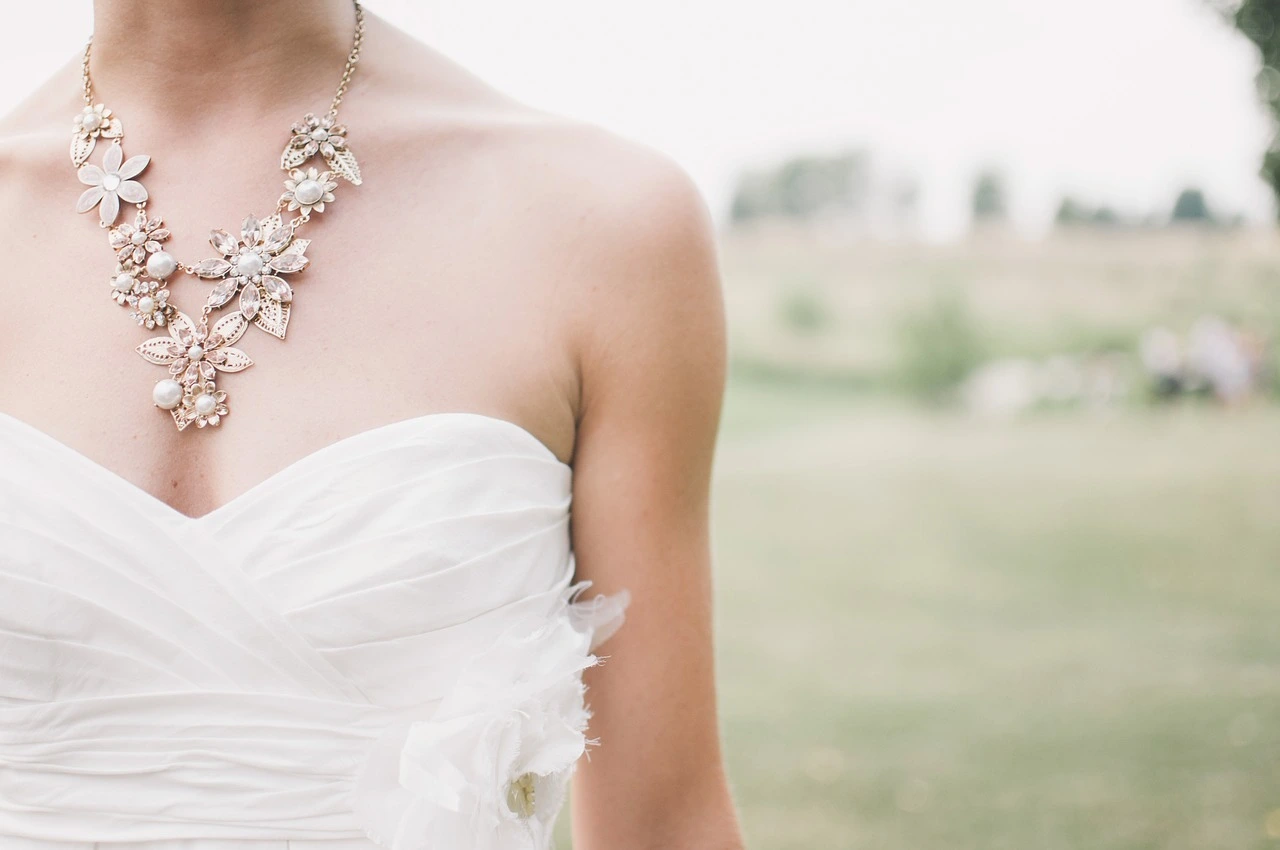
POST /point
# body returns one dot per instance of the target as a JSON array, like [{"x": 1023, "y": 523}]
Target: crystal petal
[
  {"x": 289, "y": 262},
  {"x": 277, "y": 288},
  {"x": 223, "y": 292},
  {"x": 223, "y": 242},
  {"x": 277, "y": 240},
  {"x": 211, "y": 268},
  {"x": 250, "y": 299},
  {"x": 251, "y": 230}
]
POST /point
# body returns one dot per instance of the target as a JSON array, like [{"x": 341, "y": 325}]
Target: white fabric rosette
[{"x": 490, "y": 768}]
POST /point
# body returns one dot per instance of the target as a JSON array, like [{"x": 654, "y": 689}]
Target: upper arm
[{"x": 652, "y": 367}]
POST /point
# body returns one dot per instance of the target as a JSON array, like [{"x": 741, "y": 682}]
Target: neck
[{"x": 190, "y": 58}]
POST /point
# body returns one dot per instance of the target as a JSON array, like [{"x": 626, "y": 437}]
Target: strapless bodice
[{"x": 378, "y": 646}]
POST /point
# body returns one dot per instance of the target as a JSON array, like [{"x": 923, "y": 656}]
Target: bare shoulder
[
  {"x": 34, "y": 136},
  {"x": 570, "y": 183},
  {"x": 612, "y": 233}
]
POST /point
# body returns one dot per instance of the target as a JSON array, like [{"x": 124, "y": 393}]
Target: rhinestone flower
[
  {"x": 251, "y": 267},
  {"x": 123, "y": 281},
  {"x": 111, "y": 183},
  {"x": 308, "y": 190},
  {"x": 194, "y": 357},
  {"x": 150, "y": 304},
  {"x": 91, "y": 124},
  {"x": 192, "y": 353},
  {"x": 133, "y": 242},
  {"x": 324, "y": 136},
  {"x": 203, "y": 403}
]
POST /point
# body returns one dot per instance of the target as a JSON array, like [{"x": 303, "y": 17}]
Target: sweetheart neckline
[{"x": 290, "y": 468}]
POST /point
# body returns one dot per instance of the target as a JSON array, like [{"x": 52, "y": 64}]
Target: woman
[{"x": 285, "y": 553}]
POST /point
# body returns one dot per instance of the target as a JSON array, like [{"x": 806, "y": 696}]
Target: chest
[{"x": 410, "y": 302}]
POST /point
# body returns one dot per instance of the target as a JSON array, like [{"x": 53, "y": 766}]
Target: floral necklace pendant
[{"x": 248, "y": 275}]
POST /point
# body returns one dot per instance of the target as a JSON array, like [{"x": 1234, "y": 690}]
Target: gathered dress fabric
[{"x": 378, "y": 648}]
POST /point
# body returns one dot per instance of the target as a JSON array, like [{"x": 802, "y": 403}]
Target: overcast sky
[{"x": 1119, "y": 101}]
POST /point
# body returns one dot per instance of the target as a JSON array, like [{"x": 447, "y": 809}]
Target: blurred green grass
[
  {"x": 1059, "y": 631},
  {"x": 1055, "y": 631}
]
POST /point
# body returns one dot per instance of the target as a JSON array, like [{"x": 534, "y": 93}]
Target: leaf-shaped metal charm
[
  {"x": 233, "y": 360},
  {"x": 179, "y": 325},
  {"x": 344, "y": 162},
  {"x": 271, "y": 223},
  {"x": 250, "y": 299},
  {"x": 293, "y": 157},
  {"x": 158, "y": 350},
  {"x": 233, "y": 326},
  {"x": 273, "y": 317},
  {"x": 179, "y": 418},
  {"x": 113, "y": 130},
  {"x": 297, "y": 246},
  {"x": 81, "y": 147}
]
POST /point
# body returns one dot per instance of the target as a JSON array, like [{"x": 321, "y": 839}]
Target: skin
[{"x": 497, "y": 260}]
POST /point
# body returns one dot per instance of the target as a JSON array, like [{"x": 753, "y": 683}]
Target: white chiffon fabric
[{"x": 378, "y": 647}]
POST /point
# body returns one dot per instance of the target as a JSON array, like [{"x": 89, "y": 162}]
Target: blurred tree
[
  {"x": 906, "y": 203},
  {"x": 940, "y": 343},
  {"x": 1105, "y": 217},
  {"x": 1259, "y": 21},
  {"x": 1192, "y": 207},
  {"x": 1071, "y": 211},
  {"x": 804, "y": 187},
  {"x": 989, "y": 202}
]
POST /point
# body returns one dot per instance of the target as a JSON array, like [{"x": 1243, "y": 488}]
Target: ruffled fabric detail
[{"x": 489, "y": 768}]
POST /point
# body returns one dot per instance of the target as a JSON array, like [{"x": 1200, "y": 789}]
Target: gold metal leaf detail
[
  {"x": 233, "y": 359},
  {"x": 81, "y": 147},
  {"x": 273, "y": 317},
  {"x": 344, "y": 163},
  {"x": 293, "y": 157},
  {"x": 158, "y": 350},
  {"x": 232, "y": 327}
]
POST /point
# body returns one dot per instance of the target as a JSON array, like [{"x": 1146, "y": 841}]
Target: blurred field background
[{"x": 1046, "y": 627}]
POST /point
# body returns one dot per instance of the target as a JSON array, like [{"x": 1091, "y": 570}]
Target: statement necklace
[{"x": 249, "y": 267}]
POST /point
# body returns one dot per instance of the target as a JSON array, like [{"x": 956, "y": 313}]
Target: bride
[{"x": 310, "y": 340}]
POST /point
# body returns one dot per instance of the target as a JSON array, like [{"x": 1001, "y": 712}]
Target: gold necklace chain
[
  {"x": 248, "y": 268},
  {"x": 353, "y": 57}
]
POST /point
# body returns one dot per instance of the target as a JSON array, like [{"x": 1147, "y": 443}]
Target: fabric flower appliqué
[
  {"x": 490, "y": 769},
  {"x": 111, "y": 183}
]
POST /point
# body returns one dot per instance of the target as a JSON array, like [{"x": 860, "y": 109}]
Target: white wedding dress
[{"x": 377, "y": 647}]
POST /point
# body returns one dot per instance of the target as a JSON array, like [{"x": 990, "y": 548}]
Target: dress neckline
[{"x": 383, "y": 431}]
